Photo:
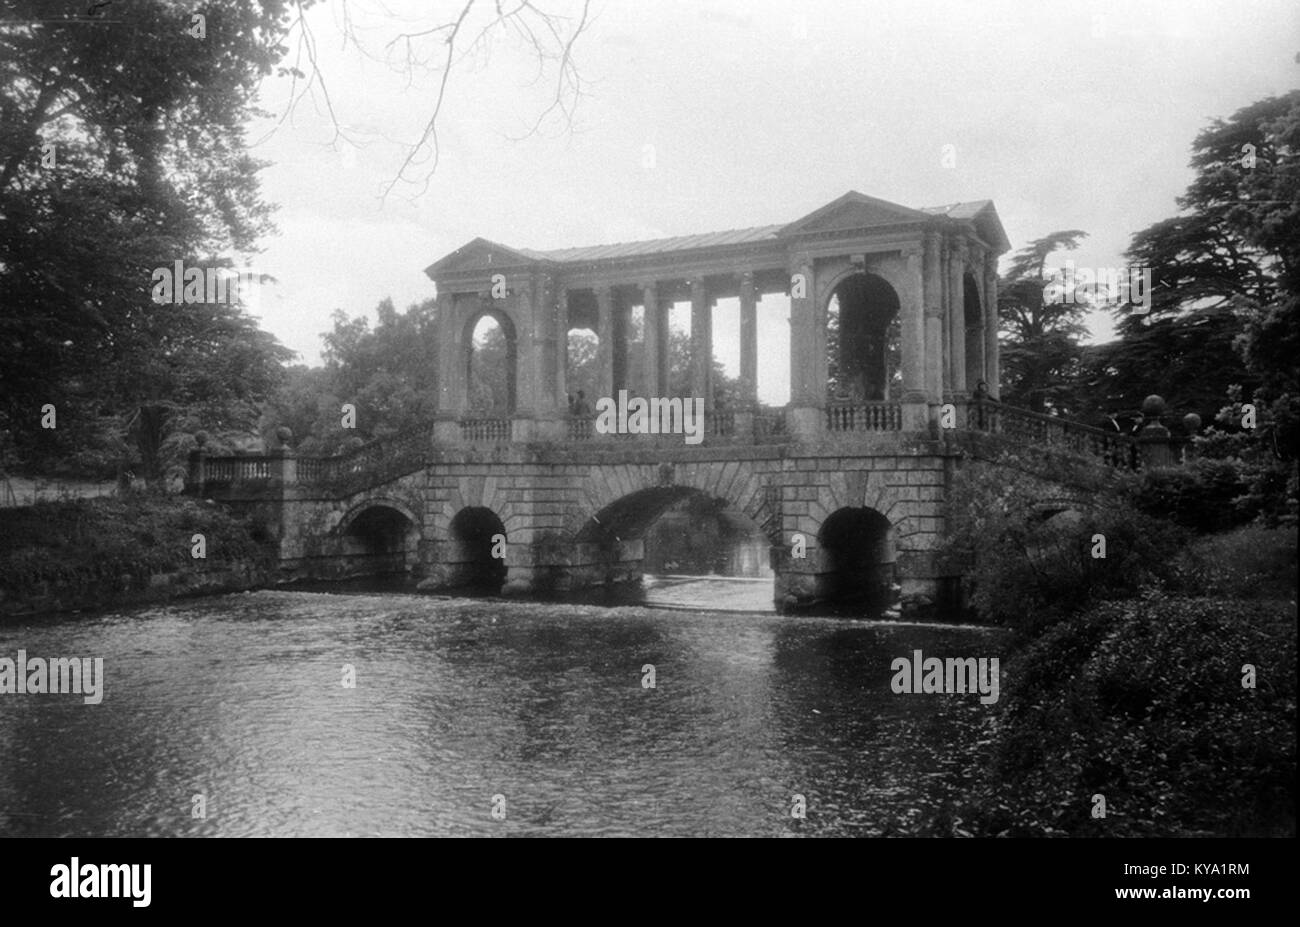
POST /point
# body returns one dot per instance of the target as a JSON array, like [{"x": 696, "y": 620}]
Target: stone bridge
[{"x": 842, "y": 492}]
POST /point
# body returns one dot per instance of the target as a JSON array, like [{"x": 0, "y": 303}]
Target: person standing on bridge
[{"x": 582, "y": 408}]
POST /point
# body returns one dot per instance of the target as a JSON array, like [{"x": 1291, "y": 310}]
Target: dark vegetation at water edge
[
  {"x": 1141, "y": 702},
  {"x": 95, "y": 552},
  {"x": 1131, "y": 673}
]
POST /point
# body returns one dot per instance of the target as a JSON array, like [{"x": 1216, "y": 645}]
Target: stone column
[
  {"x": 652, "y": 348},
  {"x": 701, "y": 343},
  {"x": 551, "y": 318},
  {"x": 957, "y": 318},
  {"x": 748, "y": 339},
  {"x": 911, "y": 312},
  {"x": 807, "y": 392},
  {"x": 992, "y": 362},
  {"x": 528, "y": 345},
  {"x": 605, "y": 352},
  {"x": 934, "y": 358},
  {"x": 451, "y": 386},
  {"x": 915, "y": 399},
  {"x": 974, "y": 334}
]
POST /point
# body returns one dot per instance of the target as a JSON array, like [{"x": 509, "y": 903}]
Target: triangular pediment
[
  {"x": 479, "y": 255},
  {"x": 853, "y": 210}
]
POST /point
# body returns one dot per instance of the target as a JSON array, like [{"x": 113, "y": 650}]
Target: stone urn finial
[
  {"x": 1191, "y": 423},
  {"x": 1153, "y": 408},
  {"x": 200, "y": 438},
  {"x": 284, "y": 434}
]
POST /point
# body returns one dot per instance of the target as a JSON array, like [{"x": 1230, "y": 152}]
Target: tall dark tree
[
  {"x": 122, "y": 151},
  {"x": 1225, "y": 279},
  {"x": 1041, "y": 344}
]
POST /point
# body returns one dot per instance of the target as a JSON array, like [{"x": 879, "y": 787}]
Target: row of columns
[
  {"x": 613, "y": 307},
  {"x": 941, "y": 352}
]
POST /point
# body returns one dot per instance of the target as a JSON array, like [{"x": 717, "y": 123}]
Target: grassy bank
[{"x": 55, "y": 553}]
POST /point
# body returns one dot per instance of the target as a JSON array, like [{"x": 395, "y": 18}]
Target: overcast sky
[{"x": 1077, "y": 115}]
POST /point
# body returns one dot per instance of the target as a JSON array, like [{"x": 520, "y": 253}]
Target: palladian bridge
[{"x": 843, "y": 491}]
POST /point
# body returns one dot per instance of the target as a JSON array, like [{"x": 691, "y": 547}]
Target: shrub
[
  {"x": 83, "y": 539},
  {"x": 1028, "y": 568},
  {"x": 1143, "y": 703},
  {"x": 1253, "y": 562},
  {"x": 1214, "y": 494}
]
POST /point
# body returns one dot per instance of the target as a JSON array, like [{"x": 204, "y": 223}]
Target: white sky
[{"x": 1066, "y": 115}]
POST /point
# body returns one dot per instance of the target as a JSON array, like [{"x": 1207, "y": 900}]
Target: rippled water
[{"x": 240, "y": 699}]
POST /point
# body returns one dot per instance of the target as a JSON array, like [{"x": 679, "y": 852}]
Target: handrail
[{"x": 1116, "y": 450}]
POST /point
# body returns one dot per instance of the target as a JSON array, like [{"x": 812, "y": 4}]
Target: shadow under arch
[
  {"x": 468, "y": 560},
  {"x": 379, "y": 537},
  {"x": 675, "y": 529},
  {"x": 859, "y": 553}
]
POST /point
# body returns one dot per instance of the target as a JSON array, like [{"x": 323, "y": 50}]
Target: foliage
[
  {"x": 149, "y": 166},
  {"x": 1027, "y": 566},
  {"x": 1225, "y": 281},
  {"x": 388, "y": 373},
  {"x": 85, "y": 539},
  {"x": 1253, "y": 562},
  {"x": 1188, "y": 360},
  {"x": 1213, "y": 494},
  {"x": 1142, "y": 702},
  {"x": 1040, "y": 348}
]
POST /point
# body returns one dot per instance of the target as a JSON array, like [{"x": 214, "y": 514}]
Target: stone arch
[
  {"x": 474, "y": 536},
  {"x": 510, "y": 331},
  {"x": 732, "y": 481},
  {"x": 859, "y": 553},
  {"x": 379, "y": 536},
  {"x": 479, "y": 490},
  {"x": 676, "y": 529},
  {"x": 862, "y": 360}
]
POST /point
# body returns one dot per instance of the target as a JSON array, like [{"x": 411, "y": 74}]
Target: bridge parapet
[
  {"x": 1054, "y": 433},
  {"x": 872, "y": 425}
]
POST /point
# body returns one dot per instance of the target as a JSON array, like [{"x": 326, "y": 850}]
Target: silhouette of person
[{"x": 581, "y": 407}]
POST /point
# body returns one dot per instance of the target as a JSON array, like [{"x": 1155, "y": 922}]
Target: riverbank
[
  {"x": 125, "y": 550},
  {"x": 1171, "y": 713}
]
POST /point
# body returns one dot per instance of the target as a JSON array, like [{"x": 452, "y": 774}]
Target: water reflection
[{"x": 240, "y": 699}]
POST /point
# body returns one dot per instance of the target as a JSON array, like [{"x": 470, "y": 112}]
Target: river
[{"x": 461, "y": 708}]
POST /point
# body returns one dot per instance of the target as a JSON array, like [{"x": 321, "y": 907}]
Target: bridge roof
[{"x": 852, "y": 210}]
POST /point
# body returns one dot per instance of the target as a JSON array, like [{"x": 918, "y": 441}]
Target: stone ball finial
[
  {"x": 200, "y": 438},
  {"x": 1192, "y": 423},
  {"x": 284, "y": 434},
  {"x": 1153, "y": 406}
]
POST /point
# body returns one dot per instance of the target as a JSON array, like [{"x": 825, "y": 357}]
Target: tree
[
  {"x": 1225, "y": 279},
  {"x": 122, "y": 151},
  {"x": 1041, "y": 349},
  {"x": 439, "y": 44},
  {"x": 681, "y": 365},
  {"x": 389, "y": 374}
]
